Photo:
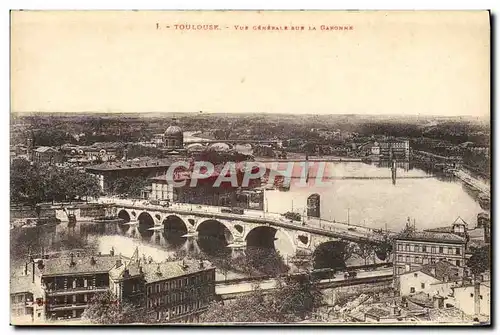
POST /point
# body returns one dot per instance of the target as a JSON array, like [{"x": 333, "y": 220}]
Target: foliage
[
  {"x": 105, "y": 309},
  {"x": 364, "y": 250},
  {"x": 333, "y": 255},
  {"x": 136, "y": 151},
  {"x": 293, "y": 300},
  {"x": 132, "y": 186},
  {"x": 33, "y": 184},
  {"x": 479, "y": 262}
]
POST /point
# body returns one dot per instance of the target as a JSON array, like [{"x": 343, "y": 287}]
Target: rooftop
[
  {"x": 21, "y": 284},
  {"x": 83, "y": 264},
  {"x": 130, "y": 165},
  {"x": 432, "y": 237},
  {"x": 154, "y": 272},
  {"x": 45, "y": 149}
]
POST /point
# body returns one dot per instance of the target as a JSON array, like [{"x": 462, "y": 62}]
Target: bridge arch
[
  {"x": 214, "y": 236},
  {"x": 331, "y": 254},
  {"x": 175, "y": 223},
  {"x": 174, "y": 229},
  {"x": 268, "y": 237},
  {"x": 146, "y": 221},
  {"x": 124, "y": 215}
]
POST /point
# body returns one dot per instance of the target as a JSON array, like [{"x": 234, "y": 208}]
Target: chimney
[
  {"x": 477, "y": 292},
  {"x": 72, "y": 262},
  {"x": 438, "y": 301},
  {"x": 92, "y": 260},
  {"x": 201, "y": 264},
  {"x": 26, "y": 268},
  {"x": 33, "y": 274},
  {"x": 140, "y": 269},
  {"x": 112, "y": 251},
  {"x": 158, "y": 270},
  {"x": 118, "y": 263}
]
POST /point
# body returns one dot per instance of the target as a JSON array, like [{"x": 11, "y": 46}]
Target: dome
[
  {"x": 220, "y": 147},
  {"x": 173, "y": 131},
  {"x": 195, "y": 147}
]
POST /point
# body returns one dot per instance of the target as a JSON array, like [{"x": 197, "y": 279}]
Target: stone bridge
[
  {"x": 233, "y": 143},
  {"x": 239, "y": 231}
]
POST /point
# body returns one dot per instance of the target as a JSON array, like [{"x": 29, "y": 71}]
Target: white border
[{"x": 186, "y": 4}]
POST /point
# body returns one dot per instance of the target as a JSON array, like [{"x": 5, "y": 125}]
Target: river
[{"x": 358, "y": 193}]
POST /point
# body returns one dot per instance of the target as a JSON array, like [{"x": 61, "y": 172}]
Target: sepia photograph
[{"x": 250, "y": 168}]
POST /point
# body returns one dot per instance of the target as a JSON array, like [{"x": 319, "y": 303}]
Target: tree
[
  {"x": 293, "y": 300},
  {"x": 105, "y": 309},
  {"x": 479, "y": 262},
  {"x": 364, "y": 250},
  {"x": 333, "y": 255}
]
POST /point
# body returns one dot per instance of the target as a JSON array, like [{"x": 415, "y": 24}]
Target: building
[
  {"x": 474, "y": 299},
  {"x": 47, "y": 155},
  {"x": 146, "y": 168},
  {"x": 205, "y": 193},
  {"x": 25, "y": 298},
  {"x": 432, "y": 279},
  {"x": 62, "y": 287},
  {"x": 414, "y": 249},
  {"x": 178, "y": 291},
  {"x": 392, "y": 149},
  {"x": 173, "y": 138},
  {"x": 70, "y": 283}
]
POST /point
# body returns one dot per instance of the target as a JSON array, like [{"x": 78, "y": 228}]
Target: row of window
[
  {"x": 179, "y": 283},
  {"x": 185, "y": 308},
  {"x": 423, "y": 260},
  {"x": 194, "y": 305},
  {"x": 175, "y": 297},
  {"x": 429, "y": 248}
]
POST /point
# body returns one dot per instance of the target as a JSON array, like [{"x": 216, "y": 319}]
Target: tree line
[{"x": 32, "y": 184}]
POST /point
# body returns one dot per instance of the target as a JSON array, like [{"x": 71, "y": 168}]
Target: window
[
  {"x": 441, "y": 250},
  {"x": 457, "y": 251},
  {"x": 157, "y": 288},
  {"x": 433, "y": 260},
  {"x": 424, "y": 248},
  {"x": 450, "y": 251},
  {"x": 422, "y": 285},
  {"x": 400, "y": 247},
  {"x": 149, "y": 290},
  {"x": 400, "y": 258},
  {"x": 457, "y": 262},
  {"x": 417, "y": 248},
  {"x": 433, "y": 250},
  {"x": 411, "y": 247},
  {"x": 412, "y": 290},
  {"x": 418, "y": 259},
  {"x": 407, "y": 247}
]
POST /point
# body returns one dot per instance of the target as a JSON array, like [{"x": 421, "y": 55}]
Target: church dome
[{"x": 173, "y": 131}]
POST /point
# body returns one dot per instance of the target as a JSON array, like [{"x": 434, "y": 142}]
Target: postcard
[{"x": 250, "y": 167}]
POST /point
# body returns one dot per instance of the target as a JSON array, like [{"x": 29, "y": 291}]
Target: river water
[{"x": 358, "y": 193}]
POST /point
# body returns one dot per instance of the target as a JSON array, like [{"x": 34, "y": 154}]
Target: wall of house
[{"x": 415, "y": 282}]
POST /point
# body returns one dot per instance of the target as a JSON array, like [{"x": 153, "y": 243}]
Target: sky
[{"x": 403, "y": 63}]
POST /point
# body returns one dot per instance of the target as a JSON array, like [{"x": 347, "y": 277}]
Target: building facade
[
  {"x": 416, "y": 249},
  {"x": 178, "y": 291}
]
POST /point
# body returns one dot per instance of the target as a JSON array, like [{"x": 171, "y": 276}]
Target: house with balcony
[{"x": 69, "y": 283}]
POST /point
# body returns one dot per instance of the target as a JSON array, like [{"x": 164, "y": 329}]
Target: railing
[
  {"x": 214, "y": 212},
  {"x": 58, "y": 291}
]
